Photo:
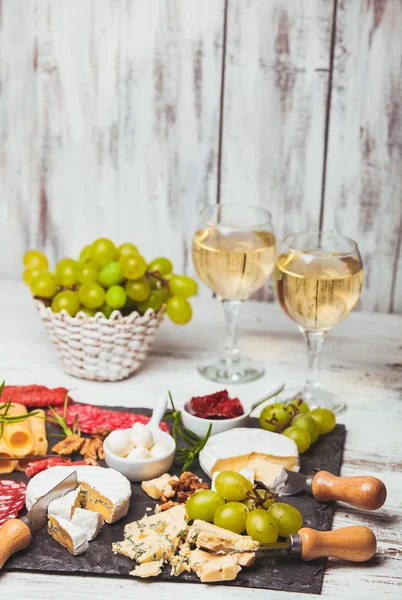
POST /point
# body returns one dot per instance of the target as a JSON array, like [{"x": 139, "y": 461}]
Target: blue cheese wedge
[
  {"x": 154, "y": 538},
  {"x": 91, "y": 522},
  {"x": 149, "y": 569},
  {"x": 156, "y": 488},
  {"x": 105, "y": 491},
  {"x": 216, "y": 539},
  {"x": 68, "y": 535},
  {"x": 265, "y": 453}
]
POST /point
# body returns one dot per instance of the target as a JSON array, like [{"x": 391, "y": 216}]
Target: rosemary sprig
[
  {"x": 188, "y": 443},
  {"x": 61, "y": 420},
  {"x": 5, "y": 418}
]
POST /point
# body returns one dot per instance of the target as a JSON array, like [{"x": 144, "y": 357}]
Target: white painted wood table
[{"x": 362, "y": 360}]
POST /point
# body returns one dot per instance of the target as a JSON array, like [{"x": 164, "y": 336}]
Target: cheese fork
[
  {"x": 16, "y": 534},
  {"x": 355, "y": 544}
]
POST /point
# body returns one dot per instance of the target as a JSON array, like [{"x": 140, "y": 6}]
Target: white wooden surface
[
  {"x": 123, "y": 118},
  {"x": 362, "y": 360},
  {"x": 364, "y": 184}
]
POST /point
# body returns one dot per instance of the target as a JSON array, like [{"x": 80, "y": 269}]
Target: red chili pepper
[
  {"x": 35, "y": 467},
  {"x": 35, "y": 396}
]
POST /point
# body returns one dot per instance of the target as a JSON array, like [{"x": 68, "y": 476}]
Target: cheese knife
[
  {"x": 366, "y": 493},
  {"x": 355, "y": 544},
  {"x": 16, "y": 534}
]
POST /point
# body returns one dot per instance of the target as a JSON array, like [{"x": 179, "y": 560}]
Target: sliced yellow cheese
[
  {"x": 6, "y": 466},
  {"x": 38, "y": 426},
  {"x": 18, "y": 437}
]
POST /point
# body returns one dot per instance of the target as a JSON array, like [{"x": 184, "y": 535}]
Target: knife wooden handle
[
  {"x": 14, "y": 536},
  {"x": 367, "y": 493},
  {"x": 356, "y": 543}
]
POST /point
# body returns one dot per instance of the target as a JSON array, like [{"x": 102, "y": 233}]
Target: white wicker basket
[{"x": 98, "y": 348}]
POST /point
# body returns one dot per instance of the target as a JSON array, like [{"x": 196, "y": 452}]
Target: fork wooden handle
[
  {"x": 355, "y": 543},
  {"x": 14, "y": 536},
  {"x": 367, "y": 493}
]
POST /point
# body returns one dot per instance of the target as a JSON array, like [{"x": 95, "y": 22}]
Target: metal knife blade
[
  {"x": 37, "y": 516},
  {"x": 296, "y": 482},
  {"x": 261, "y": 548}
]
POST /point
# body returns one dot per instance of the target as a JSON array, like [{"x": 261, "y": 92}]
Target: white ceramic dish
[
  {"x": 200, "y": 425},
  {"x": 142, "y": 470}
]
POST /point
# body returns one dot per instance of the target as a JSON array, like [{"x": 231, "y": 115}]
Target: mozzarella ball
[
  {"x": 158, "y": 450},
  {"x": 141, "y": 436},
  {"x": 119, "y": 442},
  {"x": 138, "y": 454}
]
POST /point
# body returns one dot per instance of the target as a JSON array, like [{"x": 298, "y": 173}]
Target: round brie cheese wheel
[{"x": 141, "y": 436}]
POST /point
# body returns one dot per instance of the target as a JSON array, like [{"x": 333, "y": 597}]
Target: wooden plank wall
[{"x": 123, "y": 117}]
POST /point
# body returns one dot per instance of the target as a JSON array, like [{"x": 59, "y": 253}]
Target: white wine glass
[
  {"x": 234, "y": 251},
  {"x": 318, "y": 279}
]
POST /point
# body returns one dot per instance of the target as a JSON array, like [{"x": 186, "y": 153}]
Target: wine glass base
[
  {"x": 242, "y": 371},
  {"x": 316, "y": 398}
]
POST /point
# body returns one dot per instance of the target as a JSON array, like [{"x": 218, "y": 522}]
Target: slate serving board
[{"x": 274, "y": 571}]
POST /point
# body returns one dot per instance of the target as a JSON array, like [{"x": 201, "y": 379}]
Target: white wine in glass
[
  {"x": 318, "y": 279},
  {"x": 234, "y": 253}
]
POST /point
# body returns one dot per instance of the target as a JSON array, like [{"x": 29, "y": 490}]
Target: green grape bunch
[{"x": 105, "y": 278}]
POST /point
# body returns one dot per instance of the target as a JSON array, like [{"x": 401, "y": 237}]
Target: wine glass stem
[
  {"x": 315, "y": 341},
  {"x": 232, "y": 310}
]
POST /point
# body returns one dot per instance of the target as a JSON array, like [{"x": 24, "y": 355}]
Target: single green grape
[
  {"x": 66, "y": 272},
  {"x": 86, "y": 273},
  {"x": 138, "y": 289},
  {"x": 126, "y": 248},
  {"x": 203, "y": 505},
  {"x": 34, "y": 259},
  {"x": 301, "y": 437},
  {"x": 154, "y": 301},
  {"x": 106, "y": 310},
  {"x": 29, "y": 274},
  {"x": 181, "y": 285},
  {"x": 298, "y": 405},
  {"x": 85, "y": 254},
  {"x": 232, "y": 516},
  {"x": 91, "y": 312},
  {"x": 288, "y": 518},
  {"x": 66, "y": 300},
  {"x": 44, "y": 285},
  {"x": 133, "y": 266},
  {"x": 110, "y": 274},
  {"x": 103, "y": 251},
  {"x": 116, "y": 297},
  {"x": 275, "y": 417},
  {"x": 324, "y": 418},
  {"x": 262, "y": 526},
  {"x": 161, "y": 264},
  {"x": 307, "y": 422},
  {"x": 232, "y": 486},
  {"x": 91, "y": 295},
  {"x": 264, "y": 501},
  {"x": 179, "y": 310}
]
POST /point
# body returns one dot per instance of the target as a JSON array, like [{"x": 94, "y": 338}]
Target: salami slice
[
  {"x": 93, "y": 417},
  {"x": 12, "y": 499}
]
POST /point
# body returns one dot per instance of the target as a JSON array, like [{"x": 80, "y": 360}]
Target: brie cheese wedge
[
  {"x": 66, "y": 505},
  {"x": 105, "y": 491},
  {"x": 265, "y": 453},
  {"x": 68, "y": 535},
  {"x": 90, "y": 522}
]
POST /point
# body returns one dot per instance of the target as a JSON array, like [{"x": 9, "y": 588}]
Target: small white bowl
[
  {"x": 142, "y": 470},
  {"x": 199, "y": 425}
]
